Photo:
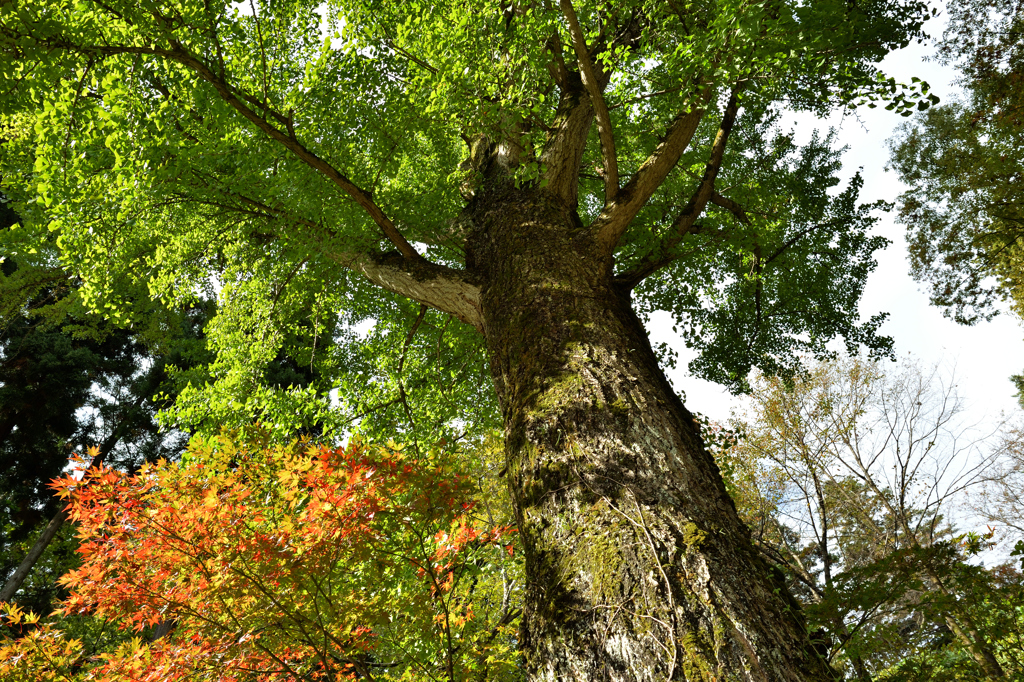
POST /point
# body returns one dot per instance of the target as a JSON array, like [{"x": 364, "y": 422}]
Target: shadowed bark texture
[{"x": 639, "y": 566}]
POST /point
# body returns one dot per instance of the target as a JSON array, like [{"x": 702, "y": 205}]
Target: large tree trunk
[{"x": 638, "y": 566}]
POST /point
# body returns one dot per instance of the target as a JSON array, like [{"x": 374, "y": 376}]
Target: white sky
[{"x": 984, "y": 356}]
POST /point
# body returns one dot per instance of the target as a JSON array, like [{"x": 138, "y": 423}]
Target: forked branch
[
  {"x": 663, "y": 253},
  {"x": 594, "y": 89},
  {"x": 611, "y": 224}
]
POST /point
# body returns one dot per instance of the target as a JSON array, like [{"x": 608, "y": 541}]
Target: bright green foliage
[
  {"x": 285, "y": 563},
  {"x": 178, "y": 146},
  {"x": 964, "y": 162}
]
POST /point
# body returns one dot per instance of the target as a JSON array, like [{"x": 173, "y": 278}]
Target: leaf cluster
[{"x": 282, "y": 562}]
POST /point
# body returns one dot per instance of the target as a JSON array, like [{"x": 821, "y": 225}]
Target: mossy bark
[{"x": 638, "y": 565}]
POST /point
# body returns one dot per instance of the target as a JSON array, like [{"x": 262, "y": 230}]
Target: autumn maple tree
[{"x": 280, "y": 563}]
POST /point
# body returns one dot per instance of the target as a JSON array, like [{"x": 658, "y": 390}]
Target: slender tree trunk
[
  {"x": 638, "y": 566},
  {"x": 21, "y": 573},
  {"x": 862, "y": 670},
  {"x": 969, "y": 636},
  {"x": 978, "y": 647},
  {"x": 14, "y": 583}
]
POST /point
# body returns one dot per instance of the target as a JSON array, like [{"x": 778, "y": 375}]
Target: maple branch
[
  {"x": 14, "y": 583},
  {"x": 663, "y": 253},
  {"x": 604, "y": 124}
]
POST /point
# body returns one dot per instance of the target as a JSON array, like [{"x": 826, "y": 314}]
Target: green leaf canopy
[{"x": 279, "y": 152}]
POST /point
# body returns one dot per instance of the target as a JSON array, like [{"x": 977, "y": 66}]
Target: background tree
[
  {"x": 526, "y": 169},
  {"x": 963, "y": 161},
  {"x": 70, "y": 380},
  {"x": 865, "y": 467}
]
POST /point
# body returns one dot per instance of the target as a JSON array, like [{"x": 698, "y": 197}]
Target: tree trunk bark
[{"x": 638, "y": 566}]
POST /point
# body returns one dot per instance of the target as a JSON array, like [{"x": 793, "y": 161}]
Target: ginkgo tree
[
  {"x": 281, "y": 563},
  {"x": 521, "y": 182}
]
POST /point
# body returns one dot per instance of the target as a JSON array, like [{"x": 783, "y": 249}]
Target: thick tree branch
[
  {"x": 563, "y": 150},
  {"x": 556, "y": 67},
  {"x": 590, "y": 82},
  {"x": 663, "y": 253},
  {"x": 442, "y": 288},
  {"x": 617, "y": 215},
  {"x": 445, "y": 289},
  {"x": 730, "y": 206},
  {"x": 567, "y": 137}
]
